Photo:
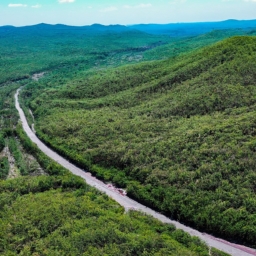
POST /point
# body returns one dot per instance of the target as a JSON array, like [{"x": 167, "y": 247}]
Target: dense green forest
[
  {"x": 178, "y": 134},
  {"x": 56, "y": 218},
  {"x": 58, "y": 214},
  {"x": 27, "y": 50},
  {"x": 46, "y": 47},
  {"x": 52, "y": 212},
  {"x": 176, "y": 131}
]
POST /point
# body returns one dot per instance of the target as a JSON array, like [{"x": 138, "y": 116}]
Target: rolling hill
[
  {"x": 179, "y": 134},
  {"x": 52, "y": 212},
  {"x": 194, "y": 28}
]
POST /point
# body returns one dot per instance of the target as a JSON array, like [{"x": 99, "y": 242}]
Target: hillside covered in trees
[
  {"x": 179, "y": 134},
  {"x": 56, "y": 213},
  {"x": 45, "y": 210}
]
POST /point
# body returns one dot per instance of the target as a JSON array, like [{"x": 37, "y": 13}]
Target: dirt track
[{"x": 125, "y": 201}]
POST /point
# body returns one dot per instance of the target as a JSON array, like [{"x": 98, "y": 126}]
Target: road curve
[{"x": 126, "y": 202}]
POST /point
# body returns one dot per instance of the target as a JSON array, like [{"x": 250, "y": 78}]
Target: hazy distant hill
[
  {"x": 95, "y": 28},
  {"x": 172, "y": 29},
  {"x": 189, "y": 29}
]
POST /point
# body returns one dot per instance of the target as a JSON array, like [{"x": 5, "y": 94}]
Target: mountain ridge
[
  {"x": 169, "y": 131},
  {"x": 172, "y": 29}
]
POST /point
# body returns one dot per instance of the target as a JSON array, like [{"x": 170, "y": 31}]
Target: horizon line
[{"x": 125, "y": 25}]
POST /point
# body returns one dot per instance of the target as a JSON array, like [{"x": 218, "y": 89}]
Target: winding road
[{"x": 126, "y": 202}]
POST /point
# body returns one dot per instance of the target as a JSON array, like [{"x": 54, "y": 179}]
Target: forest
[
  {"x": 56, "y": 213},
  {"x": 178, "y": 130},
  {"x": 171, "y": 120}
]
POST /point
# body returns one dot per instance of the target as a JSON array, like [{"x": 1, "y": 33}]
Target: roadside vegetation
[
  {"x": 62, "y": 216},
  {"x": 59, "y": 214},
  {"x": 4, "y": 167}
]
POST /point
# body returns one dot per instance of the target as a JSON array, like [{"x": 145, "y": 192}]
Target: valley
[
  {"x": 127, "y": 203},
  {"x": 169, "y": 119}
]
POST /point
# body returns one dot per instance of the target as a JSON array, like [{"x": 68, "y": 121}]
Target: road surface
[{"x": 126, "y": 202}]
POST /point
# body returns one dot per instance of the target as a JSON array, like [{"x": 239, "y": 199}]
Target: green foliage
[
  {"x": 61, "y": 215},
  {"x": 182, "y": 46},
  {"x": 18, "y": 156},
  {"x": 8, "y": 114},
  {"x": 28, "y": 50},
  {"x": 25, "y": 51},
  {"x": 4, "y": 168},
  {"x": 48, "y": 164},
  {"x": 2, "y": 143},
  {"x": 215, "y": 252},
  {"x": 179, "y": 133},
  {"x": 8, "y": 120},
  {"x": 47, "y": 216}
]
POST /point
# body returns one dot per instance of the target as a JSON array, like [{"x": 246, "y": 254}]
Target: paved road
[{"x": 125, "y": 201}]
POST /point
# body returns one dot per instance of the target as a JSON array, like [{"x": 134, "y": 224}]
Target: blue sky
[{"x": 86, "y": 12}]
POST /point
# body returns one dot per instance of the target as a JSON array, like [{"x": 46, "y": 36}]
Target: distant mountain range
[
  {"x": 172, "y": 29},
  {"x": 186, "y": 29},
  {"x": 91, "y": 28}
]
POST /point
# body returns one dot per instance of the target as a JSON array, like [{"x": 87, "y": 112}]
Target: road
[{"x": 126, "y": 202}]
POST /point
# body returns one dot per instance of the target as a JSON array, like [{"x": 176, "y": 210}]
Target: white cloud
[
  {"x": 178, "y": 1},
  {"x": 36, "y": 6},
  {"x": 138, "y": 6},
  {"x": 109, "y": 9},
  {"x": 17, "y": 5},
  {"x": 143, "y": 5},
  {"x": 66, "y": 1},
  {"x": 253, "y": 1}
]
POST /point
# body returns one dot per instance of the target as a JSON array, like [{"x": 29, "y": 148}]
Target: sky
[{"x": 126, "y": 12}]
